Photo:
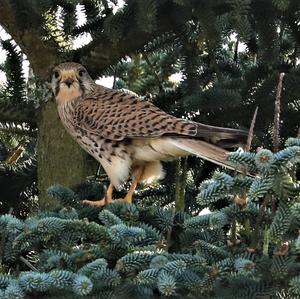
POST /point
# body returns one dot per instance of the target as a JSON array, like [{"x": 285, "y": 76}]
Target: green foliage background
[
  {"x": 249, "y": 248},
  {"x": 229, "y": 54}
]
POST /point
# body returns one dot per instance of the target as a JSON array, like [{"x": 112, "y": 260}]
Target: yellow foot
[
  {"x": 108, "y": 198},
  {"x": 96, "y": 203},
  {"x": 103, "y": 202}
]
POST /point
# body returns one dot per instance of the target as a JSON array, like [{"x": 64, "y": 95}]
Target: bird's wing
[{"x": 117, "y": 115}]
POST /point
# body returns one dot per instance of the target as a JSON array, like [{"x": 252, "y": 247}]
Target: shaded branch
[
  {"x": 17, "y": 114},
  {"x": 102, "y": 52},
  {"x": 23, "y": 21}
]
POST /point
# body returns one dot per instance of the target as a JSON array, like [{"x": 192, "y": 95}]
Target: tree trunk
[{"x": 60, "y": 159}]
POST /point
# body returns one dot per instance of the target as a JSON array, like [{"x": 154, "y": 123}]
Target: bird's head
[{"x": 69, "y": 81}]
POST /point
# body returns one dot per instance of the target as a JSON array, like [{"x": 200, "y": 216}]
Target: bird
[{"x": 129, "y": 136}]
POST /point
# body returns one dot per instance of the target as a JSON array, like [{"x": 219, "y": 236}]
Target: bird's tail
[
  {"x": 222, "y": 137},
  {"x": 203, "y": 150}
]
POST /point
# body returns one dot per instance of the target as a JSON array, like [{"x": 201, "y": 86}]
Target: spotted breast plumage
[{"x": 129, "y": 136}]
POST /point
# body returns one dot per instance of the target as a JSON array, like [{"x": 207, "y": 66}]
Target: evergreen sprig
[{"x": 250, "y": 243}]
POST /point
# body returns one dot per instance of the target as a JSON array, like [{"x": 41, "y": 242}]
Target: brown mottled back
[{"x": 116, "y": 115}]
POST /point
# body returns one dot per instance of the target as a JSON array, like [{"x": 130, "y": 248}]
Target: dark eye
[
  {"x": 81, "y": 72},
  {"x": 56, "y": 74}
]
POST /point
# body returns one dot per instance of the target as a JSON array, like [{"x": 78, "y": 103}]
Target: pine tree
[
  {"x": 247, "y": 246},
  {"x": 194, "y": 38},
  {"x": 18, "y": 171},
  {"x": 246, "y": 249}
]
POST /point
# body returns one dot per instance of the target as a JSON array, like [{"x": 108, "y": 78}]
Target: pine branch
[
  {"x": 12, "y": 114},
  {"x": 102, "y": 52},
  {"x": 18, "y": 129},
  {"x": 153, "y": 71}
]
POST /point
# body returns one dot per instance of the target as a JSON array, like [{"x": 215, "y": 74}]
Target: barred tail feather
[
  {"x": 223, "y": 137},
  {"x": 203, "y": 150}
]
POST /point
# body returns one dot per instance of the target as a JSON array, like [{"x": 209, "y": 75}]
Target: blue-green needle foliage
[{"x": 246, "y": 245}]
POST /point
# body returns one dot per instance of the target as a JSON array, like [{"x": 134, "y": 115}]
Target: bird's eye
[
  {"x": 81, "y": 72},
  {"x": 56, "y": 74}
]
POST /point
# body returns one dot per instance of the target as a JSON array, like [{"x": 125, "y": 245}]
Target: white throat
[{"x": 67, "y": 94}]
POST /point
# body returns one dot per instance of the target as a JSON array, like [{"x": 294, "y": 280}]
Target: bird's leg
[
  {"x": 107, "y": 198},
  {"x": 135, "y": 181},
  {"x": 109, "y": 193},
  {"x": 137, "y": 177}
]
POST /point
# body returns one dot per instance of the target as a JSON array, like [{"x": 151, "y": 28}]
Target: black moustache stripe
[{"x": 56, "y": 89}]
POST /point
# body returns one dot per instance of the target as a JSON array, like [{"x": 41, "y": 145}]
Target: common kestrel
[{"x": 130, "y": 136}]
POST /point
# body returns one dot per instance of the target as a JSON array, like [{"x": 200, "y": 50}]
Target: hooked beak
[
  {"x": 69, "y": 82},
  {"x": 68, "y": 78}
]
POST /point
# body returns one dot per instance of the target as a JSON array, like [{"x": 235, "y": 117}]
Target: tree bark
[{"x": 60, "y": 159}]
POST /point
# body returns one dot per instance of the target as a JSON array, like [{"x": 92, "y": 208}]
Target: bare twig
[
  {"x": 251, "y": 130},
  {"x": 28, "y": 264},
  {"x": 233, "y": 237},
  {"x": 181, "y": 172},
  {"x": 276, "y": 134},
  {"x": 16, "y": 155},
  {"x": 298, "y": 136},
  {"x": 236, "y": 51}
]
